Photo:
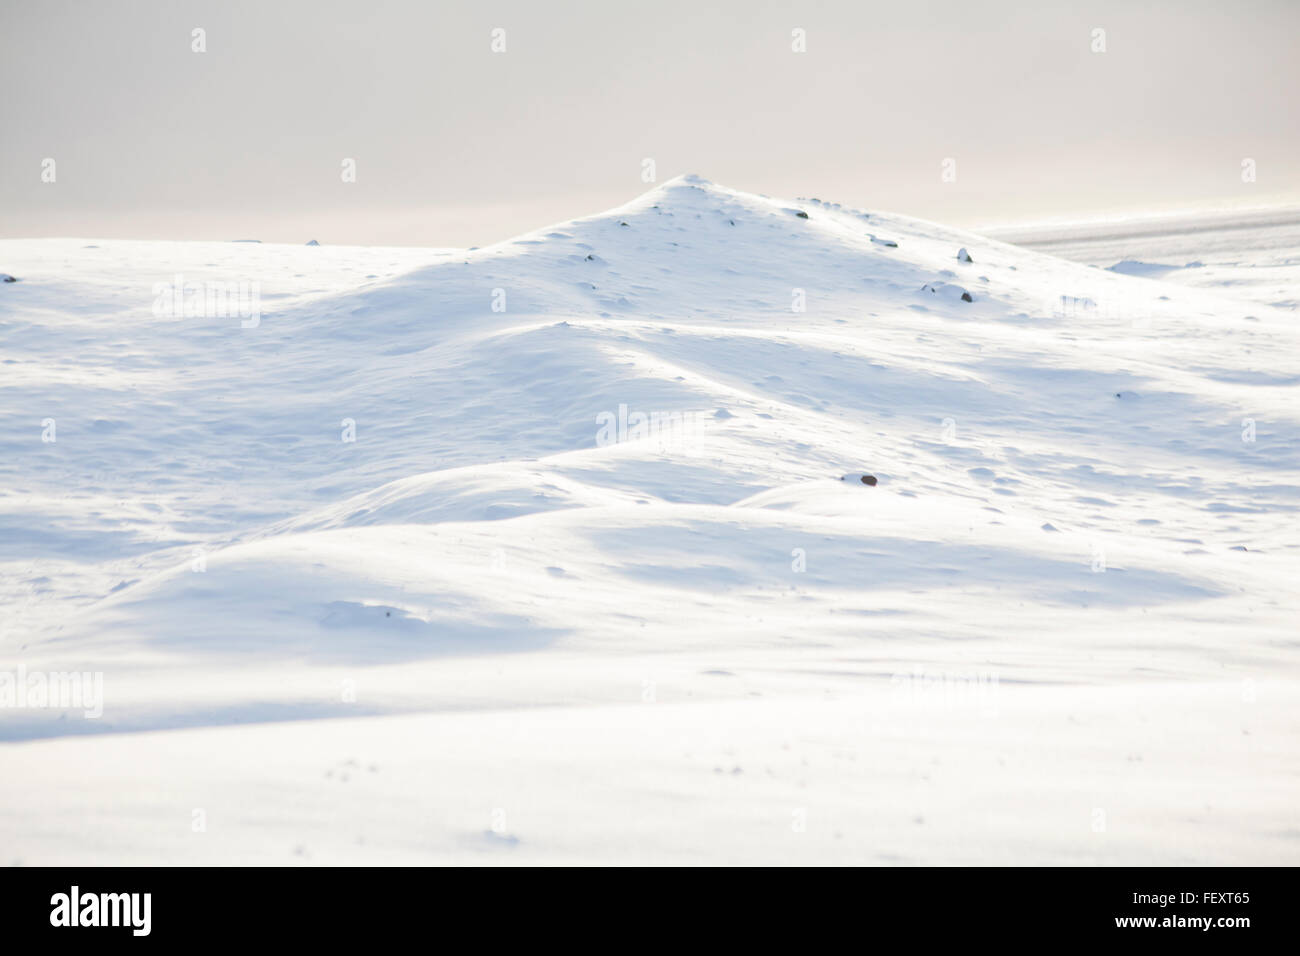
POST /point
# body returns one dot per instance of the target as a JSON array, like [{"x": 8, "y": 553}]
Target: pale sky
[{"x": 457, "y": 145}]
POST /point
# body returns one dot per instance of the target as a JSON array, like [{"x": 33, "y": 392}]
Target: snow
[{"x": 598, "y": 579}]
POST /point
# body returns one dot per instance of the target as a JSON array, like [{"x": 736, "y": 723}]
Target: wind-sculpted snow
[{"x": 558, "y": 525}]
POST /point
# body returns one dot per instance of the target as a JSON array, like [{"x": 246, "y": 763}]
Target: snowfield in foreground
[{"x": 557, "y": 551}]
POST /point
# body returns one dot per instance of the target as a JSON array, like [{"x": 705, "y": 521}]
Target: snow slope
[{"x": 1060, "y": 629}]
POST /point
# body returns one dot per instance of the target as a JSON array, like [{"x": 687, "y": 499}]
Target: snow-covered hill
[{"x": 557, "y": 550}]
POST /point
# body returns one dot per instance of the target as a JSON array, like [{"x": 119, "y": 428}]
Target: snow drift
[{"x": 541, "y": 549}]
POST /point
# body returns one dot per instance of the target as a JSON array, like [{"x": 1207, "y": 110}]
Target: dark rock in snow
[
  {"x": 8, "y": 278},
  {"x": 963, "y": 256},
  {"x": 947, "y": 290}
]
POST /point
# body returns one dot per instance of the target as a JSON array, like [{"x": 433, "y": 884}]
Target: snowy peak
[
  {"x": 725, "y": 250},
  {"x": 686, "y": 377}
]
